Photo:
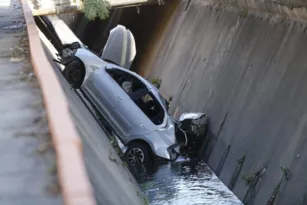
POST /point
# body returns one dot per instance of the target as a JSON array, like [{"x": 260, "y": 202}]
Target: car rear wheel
[
  {"x": 74, "y": 73},
  {"x": 138, "y": 153}
]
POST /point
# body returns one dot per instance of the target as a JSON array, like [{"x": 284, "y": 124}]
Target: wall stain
[
  {"x": 254, "y": 184},
  {"x": 222, "y": 161},
  {"x": 237, "y": 172},
  {"x": 221, "y": 126},
  {"x": 274, "y": 194},
  {"x": 187, "y": 5},
  {"x": 211, "y": 140}
]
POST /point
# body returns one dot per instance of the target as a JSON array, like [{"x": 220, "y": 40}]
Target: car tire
[
  {"x": 138, "y": 153},
  {"x": 74, "y": 73}
]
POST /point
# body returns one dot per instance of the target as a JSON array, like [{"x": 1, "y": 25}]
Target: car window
[
  {"x": 151, "y": 108},
  {"x": 139, "y": 93},
  {"x": 129, "y": 83}
]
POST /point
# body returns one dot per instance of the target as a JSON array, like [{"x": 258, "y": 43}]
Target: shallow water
[{"x": 182, "y": 183}]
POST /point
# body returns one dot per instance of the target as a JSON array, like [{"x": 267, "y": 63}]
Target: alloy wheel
[{"x": 135, "y": 156}]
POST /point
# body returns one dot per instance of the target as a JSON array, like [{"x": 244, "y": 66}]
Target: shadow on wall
[{"x": 95, "y": 33}]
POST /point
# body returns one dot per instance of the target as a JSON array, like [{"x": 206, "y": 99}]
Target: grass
[
  {"x": 286, "y": 171},
  {"x": 156, "y": 82},
  {"x": 248, "y": 179}
]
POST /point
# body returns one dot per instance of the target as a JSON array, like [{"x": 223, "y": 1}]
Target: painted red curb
[{"x": 73, "y": 179}]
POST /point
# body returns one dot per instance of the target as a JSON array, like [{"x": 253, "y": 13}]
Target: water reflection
[{"x": 182, "y": 183}]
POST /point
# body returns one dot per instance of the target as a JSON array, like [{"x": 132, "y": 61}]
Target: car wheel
[
  {"x": 74, "y": 73},
  {"x": 137, "y": 153}
]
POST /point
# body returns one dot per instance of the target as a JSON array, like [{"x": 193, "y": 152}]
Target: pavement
[
  {"x": 28, "y": 165},
  {"x": 112, "y": 181}
]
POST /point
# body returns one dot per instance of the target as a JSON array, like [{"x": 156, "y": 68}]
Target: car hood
[{"x": 120, "y": 47}]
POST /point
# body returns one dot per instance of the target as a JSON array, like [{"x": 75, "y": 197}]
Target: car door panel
[
  {"x": 106, "y": 95},
  {"x": 116, "y": 105},
  {"x": 134, "y": 121}
]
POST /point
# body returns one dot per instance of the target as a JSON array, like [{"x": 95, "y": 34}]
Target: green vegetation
[
  {"x": 286, "y": 171},
  {"x": 156, "y": 82},
  {"x": 248, "y": 179},
  {"x": 93, "y": 9}
]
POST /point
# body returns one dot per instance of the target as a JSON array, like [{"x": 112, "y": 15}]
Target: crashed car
[{"x": 133, "y": 107}]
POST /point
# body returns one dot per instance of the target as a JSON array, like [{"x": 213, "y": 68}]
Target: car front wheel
[
  {"x": 138, "y": 153},
  {"x": 74, "y": 73}
]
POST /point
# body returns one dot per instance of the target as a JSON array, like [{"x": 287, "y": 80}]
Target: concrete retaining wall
[
  {"x": 248, "y": 71},
  {"x": 292, "y": 8}
]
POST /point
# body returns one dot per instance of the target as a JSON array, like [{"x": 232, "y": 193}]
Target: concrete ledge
[{"x": 75, "y": 185}]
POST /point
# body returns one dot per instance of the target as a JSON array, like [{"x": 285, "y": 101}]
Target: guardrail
[{"x": 73, "y": 179}]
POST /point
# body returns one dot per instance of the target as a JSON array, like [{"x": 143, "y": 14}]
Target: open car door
[{"x": 120, "y": 48}]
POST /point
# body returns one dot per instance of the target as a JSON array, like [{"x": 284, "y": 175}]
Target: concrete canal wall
[{"x": 248, "y": 71}]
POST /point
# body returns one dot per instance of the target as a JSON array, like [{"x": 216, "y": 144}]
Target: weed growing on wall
[{"x": 156, "y": 82}]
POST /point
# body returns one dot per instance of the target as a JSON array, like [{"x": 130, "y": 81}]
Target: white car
[{"x": 132, "y": 106}]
